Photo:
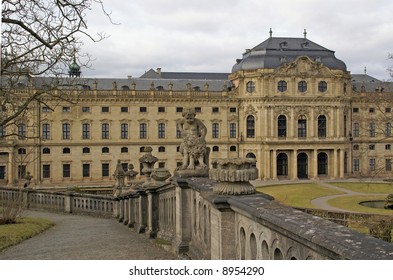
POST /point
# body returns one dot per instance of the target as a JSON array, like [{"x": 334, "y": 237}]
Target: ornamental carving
[
  {"x": 302, "y": 110},
  {"x": 321, "y": 110},
  {"x": 281, "y": 110},
  {"x": 250, "y": 110},
  {"x": 304, "y": 67}
]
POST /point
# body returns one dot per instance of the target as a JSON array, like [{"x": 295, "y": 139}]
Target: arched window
[
  {"x": 232, "y": 148},
  {"x": 66, "y": 150},
  {"x": 124, "y": 150},
  {"x": 250, "y": 127},
  {"x": 302, "y": 86},
  {"x": 142, "y": 149},
  {"x": 282, "y": 164},
  {"x": 21, "y": 151},
  {"x": 322, "y": 126},
  {"x": 216, "y": 149},
  {"x": 250, "y": 87},
  {"x": 105, "y": 150},
  {"x": 86, "y": 150},
  {"x": 302, "y": 127},
  {"x": 161, "y": 149},
  {"x": 282, "y": 86},
  {"x": 282, "y": 126},
  {"x": 46, "y": 150},
  {"x": 322, "y": 164},
  {"x": 322, "y": 86}
]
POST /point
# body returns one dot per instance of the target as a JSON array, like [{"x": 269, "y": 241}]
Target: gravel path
[{"x": 85, "y": 238}]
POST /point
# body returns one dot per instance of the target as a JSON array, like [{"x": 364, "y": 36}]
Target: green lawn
[
  {"x": 351, "y": 203},
  {"x": 25, "y": 228},
  {"x": 297, "y": 195},
  {"x": 366, "y": 187}
]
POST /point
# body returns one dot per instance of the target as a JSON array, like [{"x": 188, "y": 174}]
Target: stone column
[
  {"x": 183, "y": 217},
  {"x": 294, "y": 165},
  {"x": 312, "y": 123},
  {"x": 140, "y": 226},
  {"x": 10, "y": 169},
  {"x": 274, "y": 164},
  {"x": 121, "y": 211},
  {"x": 315, "y": 164},
  {"x": 68, "y": 199},
  {"x": 152, "y": 212},
  {"x": 272, "y": 120},
  {"x": 221, "y": 231},
  {"x": 131, "y": 212},
  {"x": 335, "y": 164},
  {"x": 341, "y": 164},
  {"x": 267, "y": 164}
]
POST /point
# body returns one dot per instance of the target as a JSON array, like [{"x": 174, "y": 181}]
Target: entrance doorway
[{"x": 302, "y": 166}]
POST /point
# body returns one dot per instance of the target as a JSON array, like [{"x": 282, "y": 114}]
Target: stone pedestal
[{"x": 233, "y": 176}]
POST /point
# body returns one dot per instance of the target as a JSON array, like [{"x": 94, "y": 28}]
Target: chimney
[{"x": 159, "y": 71}]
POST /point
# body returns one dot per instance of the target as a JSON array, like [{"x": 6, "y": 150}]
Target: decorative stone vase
[
  {"x": 148, "y": 161},
  {"x": 233, "y": 176}
]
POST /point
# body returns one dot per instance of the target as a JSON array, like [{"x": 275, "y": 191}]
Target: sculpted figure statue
[{"x": 193, "y": 147}]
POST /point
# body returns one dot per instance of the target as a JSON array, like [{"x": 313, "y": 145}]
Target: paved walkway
[{"x": 85, "y": 238}]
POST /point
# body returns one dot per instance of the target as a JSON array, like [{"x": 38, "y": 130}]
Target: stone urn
[
  {"x": 148, "y": 161},
  {"x": 233, "y": 176}
]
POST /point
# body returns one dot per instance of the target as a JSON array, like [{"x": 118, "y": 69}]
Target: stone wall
[{"x": 194, "y": 220}]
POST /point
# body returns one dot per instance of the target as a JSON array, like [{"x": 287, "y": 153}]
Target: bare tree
[{"x": 40, "y": 38}]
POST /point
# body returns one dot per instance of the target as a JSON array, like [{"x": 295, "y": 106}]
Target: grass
[
  {"x": 297, "y": 195},
  {"x": 12, "y": 234},
  {"x": 366, "y": 188},
  {"x": 351, "y": 203}
]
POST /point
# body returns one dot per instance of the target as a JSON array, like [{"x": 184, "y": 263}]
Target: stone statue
[
  {"x": 193, "y": 147},
  {"x": 119, "y": 175}
]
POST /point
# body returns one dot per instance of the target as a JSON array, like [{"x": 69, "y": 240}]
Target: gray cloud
[{"x": 208, "y": 35}]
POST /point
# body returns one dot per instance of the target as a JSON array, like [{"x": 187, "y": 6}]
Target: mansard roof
[
  {"x": 276, "y": 51},
  {"x": 184, "y": 75}
]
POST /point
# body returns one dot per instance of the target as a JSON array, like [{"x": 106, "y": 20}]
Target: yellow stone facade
[{"x": 297, "y": 120}]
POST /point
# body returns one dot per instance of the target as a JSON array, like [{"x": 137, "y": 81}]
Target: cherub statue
[{"x": 193, "y": 147}]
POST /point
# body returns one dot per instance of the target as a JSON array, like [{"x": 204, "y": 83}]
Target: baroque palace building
[{"x": 288, "y": 102}]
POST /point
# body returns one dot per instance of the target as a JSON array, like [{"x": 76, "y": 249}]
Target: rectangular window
[
  {"x": 2, "y": 172},
  {"x": 161, "y": 109},
  {"x": 215, "y": 130},
  {"x": 66, "y": 109},
  {"x": 142, "y": 109},
  {"x": 198, "y": 109},
  {"x": 66, "y": 131},
  {"x": 124, "y": 131},
  {"x": 161, "y": 130},
  {"x": 371, "y": 147},
  {"x": 105, "y": 170},
  {"x": 372, "y": 164},
  {"x": 178, "y": 132},
  {"x": 21, "y": 131},
  {"x": 123, "y": 109},
  {"x": 46, "y": 109},
  {"x": 86, "y": 109},
  {"x": 179, "y": 109},
  {"x": 45, "y": 131},
  {"x": 356, "y": 165},
  {"x": 215, "y": 110},
  {"x": 388, "y": 110},
  {"x": 372, "y": 129},
  {"x": 86, "y": 170},
  {"x": 232, "y": 130},
  {"x": 86, "y": 131},
  {"x": 161, "y": 165},
  {"x": 356, "y": 130},
  {"x": 388, "y": 129},
  {"x": 371, "y": 110},
  {"x": 105, "y": 131},
  {"x": 388, "y": 147},
  {"x": 21, "y": 171},
  {"x": 143, "y": 131},
  {"x": 105, "y": 109},
  {"x": 302, "y": 128},
  {"x": 388, "y": 164},
  {"x": 66, "y": 170},
  {"x": 355, "y": 110},
  {"x": 232, "y": 110},
  {"x": 46, "y": 171},
  {"x": 3, "y": 132}
]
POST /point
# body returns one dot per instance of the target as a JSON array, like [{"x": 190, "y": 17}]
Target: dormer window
[
  {"x": 302, "y": 86},
  {"x": 250, "y": 87},
  {"x": 322, "y": 86},
  {"x": 282, "y": 86}
]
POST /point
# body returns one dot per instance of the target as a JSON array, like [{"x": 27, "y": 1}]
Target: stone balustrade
[{"x": 189, "y": 215}]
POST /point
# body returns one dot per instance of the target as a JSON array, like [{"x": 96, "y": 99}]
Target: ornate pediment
[
  {"x": 250, "y": 110},
  {"x": 303, "y": 67},
  {"x": 321, "y": 110},
  {"x": 302, "y": 110},
  {"x": 282, "y": 110}
]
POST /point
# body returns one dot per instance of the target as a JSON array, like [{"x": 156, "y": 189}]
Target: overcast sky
[{"x": 209, "y": 35}]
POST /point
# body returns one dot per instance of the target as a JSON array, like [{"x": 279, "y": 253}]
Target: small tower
[{"x": 74, "y": 70}]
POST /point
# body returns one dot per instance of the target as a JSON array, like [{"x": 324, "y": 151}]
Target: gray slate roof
[
  {"x": 184, "y": 75},
  {"x": 277, "y": 51}
]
